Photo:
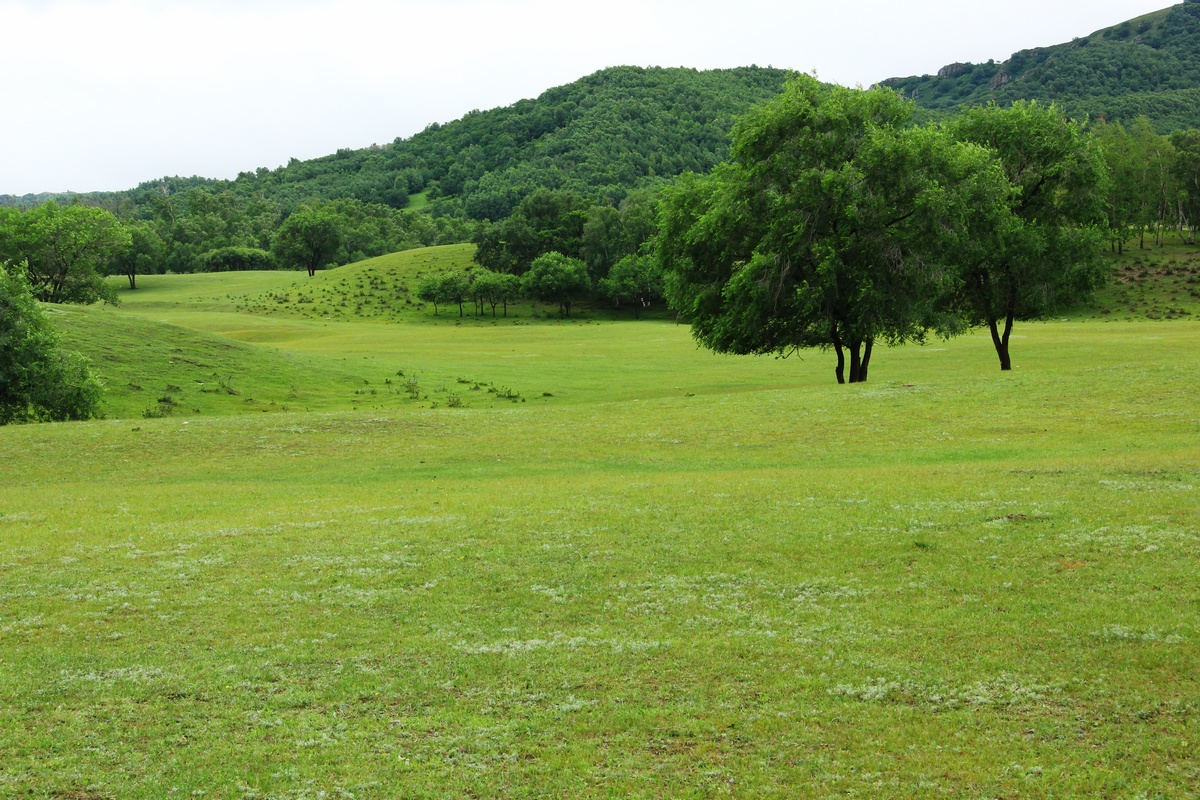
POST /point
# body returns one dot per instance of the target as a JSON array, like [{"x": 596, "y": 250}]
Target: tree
[
  {"x": 508, "y": 289},
  {"x": 231, "y": 259},
  {"x": 444, "y": 288},
  {"x": 1124, "y": 191},
  {"x": 67, "y": 249},
  {"x": 38, "y": 382},
  {"x": 308, "y": 239},
  {"x": 494, "y": 288},
  {"x": 635, "y": 281},
  {"x": 143, "y": 255},
  {"x": 1187, "y": 173},
  {"x": 832, "y": 226},
  {"x": 555, "y": 278},
  {"x": 1050, "y": 255}
]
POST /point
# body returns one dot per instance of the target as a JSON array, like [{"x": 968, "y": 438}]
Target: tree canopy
[
  {"x": 307, "y": 240},
  {"x": 67, "y": 250},
  {"x": 556, "y": 278},
  {"x": 1049, "y": 253}
]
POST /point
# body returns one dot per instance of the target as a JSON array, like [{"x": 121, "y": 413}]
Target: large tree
[
  {"x": 309, "y": 239},
  {"x": 1050, "y": 256},
  {"x": 832, "y": 227},
  {"x": 67, "y": 249},
  {"x": 38, "y": 382}
]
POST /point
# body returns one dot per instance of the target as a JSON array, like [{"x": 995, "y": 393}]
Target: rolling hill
[{"x": 615, "y": 130}]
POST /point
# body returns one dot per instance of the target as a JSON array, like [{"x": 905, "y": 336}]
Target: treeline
[
  {"x": 69, "y": 248},
  {"x": 1154, "y": 184}
]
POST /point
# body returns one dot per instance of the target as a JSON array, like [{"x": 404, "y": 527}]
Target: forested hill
[
  {"x": 1146, "y": 66},
  {"x": 613, "y": 131}
]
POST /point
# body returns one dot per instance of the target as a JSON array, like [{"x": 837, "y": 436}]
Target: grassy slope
[{"x": 681, "y": 575}]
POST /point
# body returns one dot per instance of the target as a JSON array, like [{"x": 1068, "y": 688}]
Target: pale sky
[{"x": 105, "y": 94}]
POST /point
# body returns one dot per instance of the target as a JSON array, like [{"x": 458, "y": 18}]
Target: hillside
[
  {"x": 616, "y": 130},
  {"x": 1145, "y": 66}
]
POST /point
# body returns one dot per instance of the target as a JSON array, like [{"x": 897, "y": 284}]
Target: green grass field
[{"x": 614, "y": 565}]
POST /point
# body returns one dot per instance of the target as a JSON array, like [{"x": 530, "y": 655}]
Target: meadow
[{"x": 364, "y": 551}]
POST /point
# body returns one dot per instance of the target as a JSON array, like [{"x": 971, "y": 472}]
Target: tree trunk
[
  {"x": 132, "y": 280},
  {"x": 841, "y": 354},
  {"x": 1001, "y": 340},
  {"x": 866, "y": 360},
  {"x": 855, "y": 360}
]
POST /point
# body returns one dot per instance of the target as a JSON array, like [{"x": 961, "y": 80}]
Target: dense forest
[{"x": 1145, "y": 67}]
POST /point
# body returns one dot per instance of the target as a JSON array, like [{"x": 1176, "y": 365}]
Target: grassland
[{"x": 641, "y": 570}]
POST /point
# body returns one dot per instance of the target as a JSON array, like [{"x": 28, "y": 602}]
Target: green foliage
[
  {"x": 563, "y": 222},
  {"x": 38, "y": 381},
  {"x": 445, "y": 288},
  {"x": 68, "y": 249},
  {"x": 143, "y": 256},
  {"x": 494, "y": 288},
  {"x": 307, "y": 240},
  {"x": 556, "y": 278},
  {"x": 231, "y": 259},
  {"x": 1186, "y": 173},
  {"x": 636, "y": 282},
  {"x": 835, "y": 225},
  {"x": 1048, "y": 255}
]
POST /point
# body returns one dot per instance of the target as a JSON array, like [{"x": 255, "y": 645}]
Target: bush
[
  {"x": 38, "y": 382},
  {"x": 231, "y": 259}
]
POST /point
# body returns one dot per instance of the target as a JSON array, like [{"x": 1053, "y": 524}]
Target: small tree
[
  {"x": 555, "y": 278},
  {"x": 38, "y": 382},
  {"x": 429, "y": 290},
  {"x": 508, "y": 289},
  {"x": 635, "y": 281},
  {"x": 444, "y": 288},
  {"x": 485, "y": 288},
  {"x": 143, "y": 255},
  {"x": 309, "y": 239}
]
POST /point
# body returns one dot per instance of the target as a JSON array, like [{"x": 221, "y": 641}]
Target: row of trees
[
  {"x": 70, "y": 248},
  {"x": 635, "y": 282},
  {"x": 1155, "y": 181}
]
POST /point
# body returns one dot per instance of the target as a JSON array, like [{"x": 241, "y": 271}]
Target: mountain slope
[
  {"x": 1145, "y": 66},
  {"x": 603, "y": 135}
]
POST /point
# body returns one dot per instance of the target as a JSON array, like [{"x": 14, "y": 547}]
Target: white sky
[{"x": 104, "y": 94}]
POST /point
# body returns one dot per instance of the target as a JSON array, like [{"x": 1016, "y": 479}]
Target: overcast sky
[{"x": 104, "y": 94}]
